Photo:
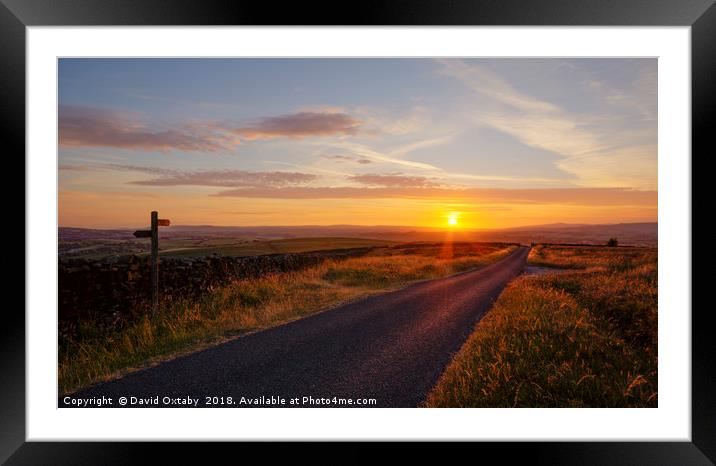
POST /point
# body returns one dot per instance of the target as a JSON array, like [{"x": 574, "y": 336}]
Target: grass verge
[
  {"x": 584, "y": 338},
  {"x": 248, "y": 305}
]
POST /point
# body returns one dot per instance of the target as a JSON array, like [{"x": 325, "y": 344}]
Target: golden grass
[
  {"x": 245, "y": 306},
  {"x": 583, "y": 338},
  {"x": 584, "y": 257}
]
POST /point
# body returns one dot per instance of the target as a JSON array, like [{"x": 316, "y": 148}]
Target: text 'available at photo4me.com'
[{"x": 212, "y": 401}]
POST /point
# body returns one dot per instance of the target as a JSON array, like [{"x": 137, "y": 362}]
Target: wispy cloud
[
  {"x": 210, "y": 178},
  {"x": 421, "y": 144},
  {"x": 95, "y": 127},
  {"x": 483, "y": 81},
  {"x": 365, "y": 154},
  {"x": 636, "y": 166},
  {"x": 365, "y": 151},
  {"x": 348, "y": 158},
  {"x": 379, "y": 121},
  {"x": 506, "y": 178},
  {"x": 570, "y": 196},
  {"x": 300, "y": 125},
  {"x": 75, "y": 167},
  {"x": 557, "y": 133},
  {"x": 592, "y": 148},
  {"x": 394, "y": 180},
  {"x": 640, "y": 99},
  {"x": 228, "y": 178}
]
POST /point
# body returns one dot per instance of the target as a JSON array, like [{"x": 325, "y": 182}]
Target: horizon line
[{"x": 433, "y": 228}]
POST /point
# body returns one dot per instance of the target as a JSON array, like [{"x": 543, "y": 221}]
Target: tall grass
[
  {"x": 244, "y": 306},
  {"x": 584, "y": 338}
]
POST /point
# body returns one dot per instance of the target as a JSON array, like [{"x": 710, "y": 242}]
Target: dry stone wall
[{"x": 119, "y": 287}]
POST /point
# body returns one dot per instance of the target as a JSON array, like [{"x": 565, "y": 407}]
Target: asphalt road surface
[{"x": 390, "y": 348}]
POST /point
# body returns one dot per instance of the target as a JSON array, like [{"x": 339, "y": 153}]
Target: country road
[{"x": 390, "y": 347}]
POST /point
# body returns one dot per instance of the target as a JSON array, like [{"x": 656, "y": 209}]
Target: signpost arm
[{"x": 154, "y": 277}]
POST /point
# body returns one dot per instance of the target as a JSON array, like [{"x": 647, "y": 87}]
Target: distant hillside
[
  {"x": 77, "y": 234},
  {"x": 627, "y": 233},
  {"x": 646, "y": 227}
]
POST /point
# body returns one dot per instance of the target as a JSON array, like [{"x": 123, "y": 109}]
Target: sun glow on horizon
[{"x": 452, "y": 219}]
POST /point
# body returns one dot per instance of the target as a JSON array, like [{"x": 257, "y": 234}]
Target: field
[
  {"x": 184, "y": 241},
  {"x": 252, "y": 304},
  {"x": 189, "y": 246},
  {"x": 254, "y": 248},
  {"x": 583, "y": 337}
]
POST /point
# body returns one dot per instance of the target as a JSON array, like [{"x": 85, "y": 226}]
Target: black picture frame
[{"x": 16, "y": 15}]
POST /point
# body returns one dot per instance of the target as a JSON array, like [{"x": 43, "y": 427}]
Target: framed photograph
[{"x": 415, "y": 223}]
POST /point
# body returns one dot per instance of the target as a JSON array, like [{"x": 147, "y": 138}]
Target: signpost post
[{"x": 153, "y": 233}]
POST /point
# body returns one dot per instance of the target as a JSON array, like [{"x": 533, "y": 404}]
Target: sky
[{"x": 430, "y": 142}]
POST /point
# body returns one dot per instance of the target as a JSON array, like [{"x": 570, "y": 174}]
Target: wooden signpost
[{"x": 153, "y": 233}]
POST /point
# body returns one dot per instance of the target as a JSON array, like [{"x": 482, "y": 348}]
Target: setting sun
[{"x": 452, "y": 220}]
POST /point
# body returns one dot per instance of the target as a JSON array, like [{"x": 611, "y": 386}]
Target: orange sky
[
  {"x": 123, "y": 210},
  {"x": 238, "y": 142}
]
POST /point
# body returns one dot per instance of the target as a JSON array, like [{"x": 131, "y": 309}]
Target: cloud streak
[
  {"x": 591, "y": 148},
  {"x": 371, "y": 154},
  {"x": 92, "y": 127},
  {"x": 394, "y": 180},
  {"x": 229, "y": 178},
  {"x": 300, "y": 125},
  {"x": 96, "y": 127},
  {"x": 215, "y": 178},
  {"x": 483, "y": 81},
  {"x": 348, "y": 158},
  {"x": 571, "y": 196}
]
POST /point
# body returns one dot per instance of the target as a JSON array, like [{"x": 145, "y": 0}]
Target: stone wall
[{"x": 118, "y": 288}]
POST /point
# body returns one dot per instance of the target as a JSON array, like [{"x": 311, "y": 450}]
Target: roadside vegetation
[
  {"x": 252, "y": 304},
  {"x": 584, "y": 337}
]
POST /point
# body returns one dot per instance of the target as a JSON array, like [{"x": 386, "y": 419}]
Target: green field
[
  {"x": 183, "y": 247},
  {"x": 254, "y": 248}
]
